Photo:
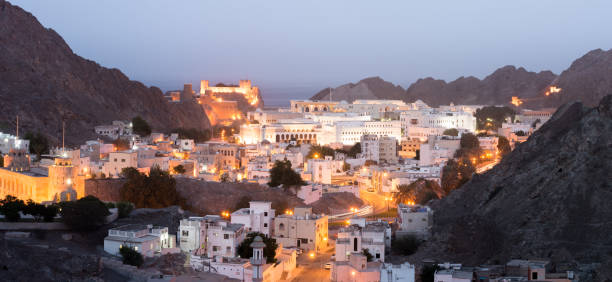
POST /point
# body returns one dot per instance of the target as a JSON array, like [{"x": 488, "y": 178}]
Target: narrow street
[
  {"x": 311, "y": 269},
  {"x": 376, "y": 200}
]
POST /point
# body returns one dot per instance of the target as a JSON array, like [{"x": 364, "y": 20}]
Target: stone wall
[
  {"x": 104, "y": 189},
  {"x": 33, "y": 226}
]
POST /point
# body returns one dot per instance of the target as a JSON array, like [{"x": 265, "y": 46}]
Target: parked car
[{"x": 328, "y": 265}]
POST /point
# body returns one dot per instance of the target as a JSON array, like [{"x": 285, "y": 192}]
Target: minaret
[{"x": 257, "y": 260}]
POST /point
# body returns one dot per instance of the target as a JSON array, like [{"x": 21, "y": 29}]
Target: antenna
[
  {"x": 17, "y": 127},
  {"x": 330, "y": 94},
  {"x": 63, "y": 134}
]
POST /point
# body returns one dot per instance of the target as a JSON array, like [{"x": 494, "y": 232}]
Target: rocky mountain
[
  {"x": 369, "y": 88},
  {"x": 549, "y": 198},
  {"x": 44, "y": 83},
  {"x": 588, "y": 79}
]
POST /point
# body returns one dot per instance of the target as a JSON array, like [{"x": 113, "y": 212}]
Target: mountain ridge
[
  {"x": 45, "y": 83},
  {"x": 587, "y": 79}
]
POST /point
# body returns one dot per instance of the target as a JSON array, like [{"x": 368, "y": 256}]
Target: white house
[
  {"x": 414, "y": 220},
  {"x": 210, "y": 235},
  {"x": 146, "y": 239},
  {"x": 373, "y": 236},
  {"x": 397, "y": 272},
  {"x": 256, "y": 218},
  {"x": 322, "y": 170}
]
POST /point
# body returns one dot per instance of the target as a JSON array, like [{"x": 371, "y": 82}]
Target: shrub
[
  {"x": 39, "y": 211},
  {"x": 140, "y": 126},
  {"x": 428, "y": 271},
  {"x": 131, "y": 256},
  {"x": 156, "y": 190},
  {"x": 282, "y": 173},
  {"x": 367, "y": 254},
  {"x": 85, "y": 214},
  {"x": 451, "y": 132},
  {"x": 245, "y": 250},
  {"x": 110, "y": 205},
  {"x": 11, "y": 206},
  {"x": 124, "y": 209},
  {"x": 179, "y": 169}
]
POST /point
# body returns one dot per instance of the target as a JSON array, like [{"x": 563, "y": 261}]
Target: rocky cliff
[
  {"x": 549, "y": 198},
  {"x": 588, "y": 79},
  {"x": 44, "y": 82}
]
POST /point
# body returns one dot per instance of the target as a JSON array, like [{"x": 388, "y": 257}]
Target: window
[
  {"x": 215, "y": 248},
  {"x": 226, "y": 236},
  {"x": 265, "y": 213},
  {"x": 184, "y": 233},
  {"x": 534, "y": 276},
  {"x": 377, "y": 255},
  {"x": 265, "y": 225}
]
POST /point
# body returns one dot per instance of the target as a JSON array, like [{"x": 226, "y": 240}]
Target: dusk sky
[{"x": 295, "y": 48}]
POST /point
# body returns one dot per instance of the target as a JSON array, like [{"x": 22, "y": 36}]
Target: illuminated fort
[{"x": 222, "y": 103}]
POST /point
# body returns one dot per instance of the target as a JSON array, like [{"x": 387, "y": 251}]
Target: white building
[
  {"x": 210, "y": 235},
  {"x": 438, "y": 118},
  {"x": 373, "y": 236},
  {"x": 9, "y": 142},
  {"x": 397, "y": 272},
  {"x": 414, "y": 220},
  {"x": 257, "y": 217},
  {"x": 146, "y": 239},
  {"x": 453, "y": 275},
  {"x": 323, "y": 170},
  {"x": 349, "y": 133}
]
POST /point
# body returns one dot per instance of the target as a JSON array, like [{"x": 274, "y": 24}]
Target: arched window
[{"x": 281, "y": 227}]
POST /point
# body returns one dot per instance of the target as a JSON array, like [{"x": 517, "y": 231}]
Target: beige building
[
  {"x": 409, "y": 147},
  {"x": 302, "y": 229},
  {"x": 59, "y": 182}
]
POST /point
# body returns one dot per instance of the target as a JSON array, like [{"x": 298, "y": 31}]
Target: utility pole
[{"x": 17, "y": 131}]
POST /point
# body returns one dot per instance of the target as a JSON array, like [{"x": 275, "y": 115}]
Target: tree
[
  {"x": 85, "y": 214},
  {"x": 131, "y": 256},
  {"x": 451, "y": 132},
  {"x": 503, "y": 146},
  {"x": 319, "y": 152},
  {"x": 156, "y": 190},
  {"x": 124, "y": 209},
  {"x": 456, "y": 173},
  {"x": 39, "y": 211},
  {"x": 243, "y": 202},
  {"x": 38, "y": 143},
  {"x": 469, "y": 148},
  {"x": 11, "y": 206},
  {"x": 491, "y": 117},
  {"x": 356, "y": 149},
  {"x": 121, "y": 144},
  {"x": 419, "y": 191},
  {"x": 428, "y": 271},
  {"x": 405, "y": 245},
  {"x": 179, "y": 169},
  {"x": 245, "y": 251},
  {"x": 140, "y": 126},
  {"x": 282, "y": 173},
  {"x": 367, "y": 254}
]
